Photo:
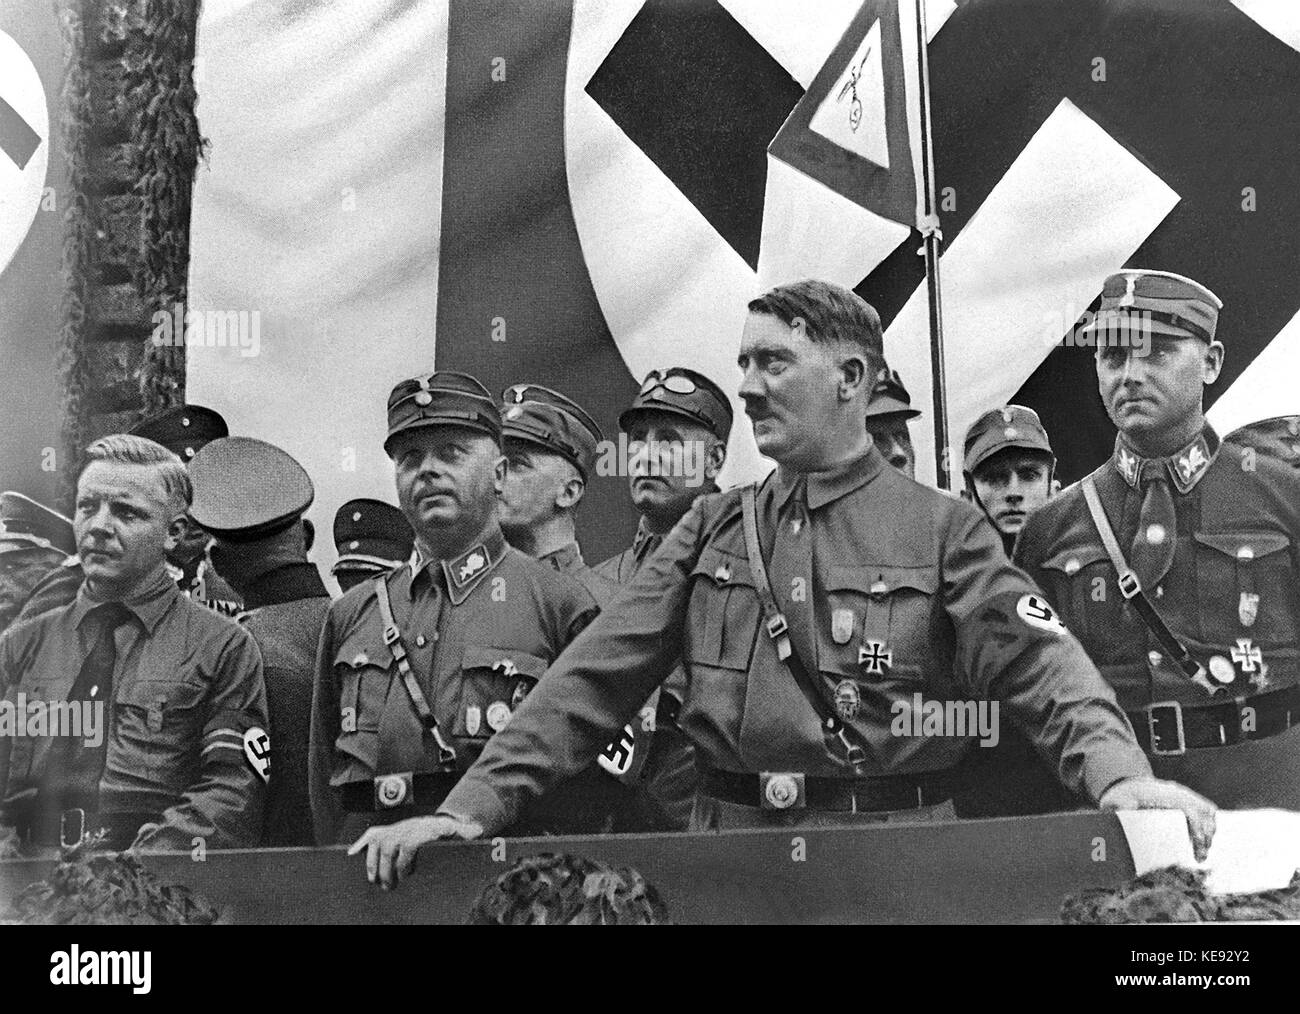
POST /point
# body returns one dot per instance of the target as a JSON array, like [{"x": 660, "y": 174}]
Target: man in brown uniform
[
  {"x": 182, "y": 755},
  {"x": 418, "y": 668},
  {"x": 880, "y": 593},
  {"x": 889, "y": 412},
  {"x": 677, "y": 429},
  {"x": 1182, "y": 577}
]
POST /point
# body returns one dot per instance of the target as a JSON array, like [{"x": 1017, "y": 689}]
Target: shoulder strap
[
  {"x": 393, "y": 638},
  {"x": 1131, "y": 588},
  {"x": 778, "y": 631}
]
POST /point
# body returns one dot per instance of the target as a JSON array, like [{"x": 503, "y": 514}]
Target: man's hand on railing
[
  {"x": 1151, "y": 793},
  {"x": 391, "y": 850}
]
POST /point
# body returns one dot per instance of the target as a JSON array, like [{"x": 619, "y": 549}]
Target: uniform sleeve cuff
[
  {"x": 1109, "y": 767},
  {"x": 474, "y": 801}
]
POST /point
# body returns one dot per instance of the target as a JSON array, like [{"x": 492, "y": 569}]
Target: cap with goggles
[{"x": 682, "y": 392}]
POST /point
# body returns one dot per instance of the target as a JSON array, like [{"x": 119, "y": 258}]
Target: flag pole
[{"x": 928, "y": 225}]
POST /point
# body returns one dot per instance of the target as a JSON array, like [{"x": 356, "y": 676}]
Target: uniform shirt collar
[
  {"x": 827, "y": 487},
  {"x": 645, "y": 541},
  {"x": 564, "y": 559},
  {"x": 462, "y": 572},
  {"x": 1184, "y": 467},
  {"x": 149, "y": 604}
]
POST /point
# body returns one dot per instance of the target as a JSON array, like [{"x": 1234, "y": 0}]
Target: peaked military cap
[
  {"x": 183, "y": 430},
  {"x": 247, "y": 489},
  {"x": 26, "y": 524},
  {"x": 547, "y": 418},
  {"x": 1008, "y": 426},
  {"x": 371, "y": 535},
  {"x": 890, "y": 397},
  {"x": 1161, "y": 301},
  {"x": 682, "y": 392},
  {"x": 441, "y": 399}
]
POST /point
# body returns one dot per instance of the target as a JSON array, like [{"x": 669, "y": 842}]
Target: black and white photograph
[{"x": 650, "y": 462}]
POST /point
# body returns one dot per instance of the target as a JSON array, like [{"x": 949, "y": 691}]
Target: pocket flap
[
  {"x": 722, "y": 568},
  {"x": 1243, "y": 545},
  {"x": 1071, "y": 561},
  {"x": 879, "y": 579},
  {"x": 361, "y": 648},
  {"x": 165, "y": 694},
  {"x": 507, "y": 661}
]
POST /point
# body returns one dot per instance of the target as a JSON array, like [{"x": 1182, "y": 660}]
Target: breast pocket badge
[
  {"x": 842, "y": 626},
  {"x": 1248, "y": 608}
]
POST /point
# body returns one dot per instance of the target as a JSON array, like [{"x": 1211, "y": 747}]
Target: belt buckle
[
  {"x": 392, "y": 791},
  {"x": 79, "y": 816},
  {"x": 781, "y": 790},
  {"x": 1156, "y": 747},
  {"x": 1129, "y": 585}
]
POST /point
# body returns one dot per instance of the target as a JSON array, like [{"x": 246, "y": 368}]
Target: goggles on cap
[{"x": 677, "y": 383}]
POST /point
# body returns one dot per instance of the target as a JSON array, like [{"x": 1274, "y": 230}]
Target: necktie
[
  {"x": 791, "y": 569},
  {"x": 1153, "y": 546},
  {"x": 71, "y": 776}
]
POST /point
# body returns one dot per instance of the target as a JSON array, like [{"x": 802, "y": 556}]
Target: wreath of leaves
[
  {"x": 160, "y": 68},
  {"x": 78, "y": 236}
]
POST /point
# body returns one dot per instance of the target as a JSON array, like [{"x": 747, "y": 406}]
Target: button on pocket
[
  {"x": 1246, "y": 585},
  {"x": 724, "y": 614},
  {"x": 365, "y": 673},
  {"x": 894, "y": 636}
]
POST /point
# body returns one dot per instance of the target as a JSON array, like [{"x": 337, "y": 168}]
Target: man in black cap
[
  {"x": 371, "y": 538},
  {"x": 879, "y": 591},
  {"x": 34, "y": 540},
  {"x": 679, "y": 416},
  {"x": 889, "y": 410},
  {"x": 418, "y": 668},
  {"x": 1175, "y": 563},
  {"x": 172, "y": 749},
  {"x": 183, "y": 430},
  {"x": 1009, "y": 467},
  {"x": 250, "y": 497}
]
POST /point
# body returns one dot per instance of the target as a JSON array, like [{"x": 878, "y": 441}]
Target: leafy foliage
[
  {"x": 107, "y": 888},
  {"x": 550, "y": 889},
  {"x": 1173, "y": 894}
]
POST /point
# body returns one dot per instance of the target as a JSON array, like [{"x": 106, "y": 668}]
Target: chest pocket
[
  {"x": 887, "y": 614},
  {"x": 161, "y": 723},
  {"x": 1246, "y": 585},
  {"x": 723, "y": 618},
  {"x": 1080, "y": 582},
  {"x": 494, "y": 682},
  {"x": 23, "y": 749},
  {"x": 366, "y": 674}
]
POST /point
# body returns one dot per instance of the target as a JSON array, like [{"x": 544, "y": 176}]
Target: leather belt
[
  {"x": 66, "y": 829},
  {"x": 781, "y": 790},
  {"x": 1168, "y": 729},
  {"x": 400, "y": 789}
]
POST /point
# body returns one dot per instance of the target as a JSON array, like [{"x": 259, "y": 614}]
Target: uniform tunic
[
  {"x": 1232, "y": 593},
  {"x": 884, "y": 560},
  {"x": 480, "y": 632},
  {"x": 287, "y": 611},
  {"x": 187, "y": 687},
  {"x": 669, "y": 778}
]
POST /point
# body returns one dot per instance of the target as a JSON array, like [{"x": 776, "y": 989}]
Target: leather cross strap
[
  {"x": 393, "y": 638},
  {"x": 1131, "y": 588},
  {"x": 778, "y": 631}
]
